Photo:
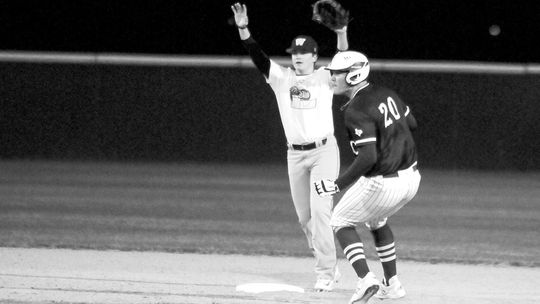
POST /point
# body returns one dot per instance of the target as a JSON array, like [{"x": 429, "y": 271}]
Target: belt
[
  {"x": 310, "y": 146},
  {"x": 412, "y": 168}
]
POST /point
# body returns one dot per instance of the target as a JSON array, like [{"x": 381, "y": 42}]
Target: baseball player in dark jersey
[{"x": 382, "y": 178}]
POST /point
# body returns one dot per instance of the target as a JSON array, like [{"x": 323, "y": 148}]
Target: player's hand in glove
[
  {"x": 330, "y": 14},
  {"x": 326, "y": 187},
  {"x": 240, "y": 15}
]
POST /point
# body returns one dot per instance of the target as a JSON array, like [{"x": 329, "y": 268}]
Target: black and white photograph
[{"x": 266, "y": 152}]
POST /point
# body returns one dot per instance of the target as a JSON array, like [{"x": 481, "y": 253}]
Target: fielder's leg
[
  {"x": 324, "y": 164},
  {"x": 299, "y": 182},
  {"x": 324, "y": 244},
  {"x": 314, "y": 219}
]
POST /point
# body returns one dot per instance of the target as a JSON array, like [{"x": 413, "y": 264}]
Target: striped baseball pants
[{"x": 371, "y": 200}]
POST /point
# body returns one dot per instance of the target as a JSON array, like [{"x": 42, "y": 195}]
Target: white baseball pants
[{"x": 313, "y": 211}]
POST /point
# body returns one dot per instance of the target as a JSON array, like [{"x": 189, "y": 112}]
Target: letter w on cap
[{"x": 300, "y": 41}]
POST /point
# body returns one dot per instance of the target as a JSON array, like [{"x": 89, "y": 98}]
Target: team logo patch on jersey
[
  {"x": 358, "y": 132},
  {"x": 301, "y": 98},
  {"x": 299, "y": 93}
]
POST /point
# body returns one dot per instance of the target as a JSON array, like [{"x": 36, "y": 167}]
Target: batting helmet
[{"x": 354, "y": 63}]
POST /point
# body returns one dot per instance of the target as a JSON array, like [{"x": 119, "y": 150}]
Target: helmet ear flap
[
  {"x": 354, "y": 63},
  {"x": 352, "y": 79},
  {"x": 357, "y": 74}
]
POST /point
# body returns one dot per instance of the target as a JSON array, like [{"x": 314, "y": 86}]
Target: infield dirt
[{"x": 102, "y": 277}]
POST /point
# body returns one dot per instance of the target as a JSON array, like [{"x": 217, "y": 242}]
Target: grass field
[{"x": 457, "y": 217}]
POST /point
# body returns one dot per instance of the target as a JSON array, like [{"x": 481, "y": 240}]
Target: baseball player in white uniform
[
  {"x": 304, "y": 98},
  {"x": 382, "y": 178}
]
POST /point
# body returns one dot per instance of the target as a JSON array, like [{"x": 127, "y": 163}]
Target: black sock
[
  {"x": 353, "y": 248},
  {"x": 385, "y": 246}
]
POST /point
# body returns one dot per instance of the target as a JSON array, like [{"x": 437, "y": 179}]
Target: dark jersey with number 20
[{"x": 376, "y": 115}]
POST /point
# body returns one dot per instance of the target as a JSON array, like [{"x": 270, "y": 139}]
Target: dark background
[
  {"x": 217, "y": 114},
  {"x": 141, "y": 113},
  {"x": 391, "y": 29}
]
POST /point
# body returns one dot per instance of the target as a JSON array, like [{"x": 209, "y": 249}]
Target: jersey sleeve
[
  {"x": 258, "y": 56},
  {"x": 362, "y": 130},
  {"x": 276, "y": 75},
  {"x": 406, "y": 110},
  {"x": 411, "y": 121}
]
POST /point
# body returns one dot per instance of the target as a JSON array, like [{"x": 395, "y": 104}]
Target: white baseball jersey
[
  {"x": 305, "y": 107},
  {"x": 305, "y": 103}
]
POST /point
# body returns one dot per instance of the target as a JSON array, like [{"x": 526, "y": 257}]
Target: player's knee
[
  {"x": 338, "y": 225},
  {"x": 337, "y": 228},
  {"x": 376, "y": 224},
  {"x": 304, "y": 223},
  {"x": 383, "y": 236}
]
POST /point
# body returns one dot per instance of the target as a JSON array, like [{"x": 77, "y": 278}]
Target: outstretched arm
[
  {"x": 334, "y": 16},
  {"x": 342, "y": 41},
  {"x": 258, "y": 56},
  {"x": 241, "y": 19}
]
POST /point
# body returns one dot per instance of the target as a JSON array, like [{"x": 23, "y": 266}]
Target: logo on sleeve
[{"x": 358, "y": 132}]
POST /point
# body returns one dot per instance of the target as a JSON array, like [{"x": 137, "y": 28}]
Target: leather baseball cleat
[
  {"x": 365, "y": 289},
  {"x": 392, "y": 290},
  {"x": 324, "y": 285}
]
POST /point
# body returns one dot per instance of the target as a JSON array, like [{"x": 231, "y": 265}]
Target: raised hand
[{"x": 240, "y": 15}]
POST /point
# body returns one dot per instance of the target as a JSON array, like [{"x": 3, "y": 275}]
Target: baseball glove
[{"x": 330, "y": 14}]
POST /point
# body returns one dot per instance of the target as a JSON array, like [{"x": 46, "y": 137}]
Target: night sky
[{"x": 423, "y": 30}]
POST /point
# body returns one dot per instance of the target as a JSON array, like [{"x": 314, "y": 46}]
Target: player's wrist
[
  {"x": 244, "y": 33},
  {"x": 342, "y": 30}
]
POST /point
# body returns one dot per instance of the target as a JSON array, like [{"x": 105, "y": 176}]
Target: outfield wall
[{"x": 471, "y": 115}]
